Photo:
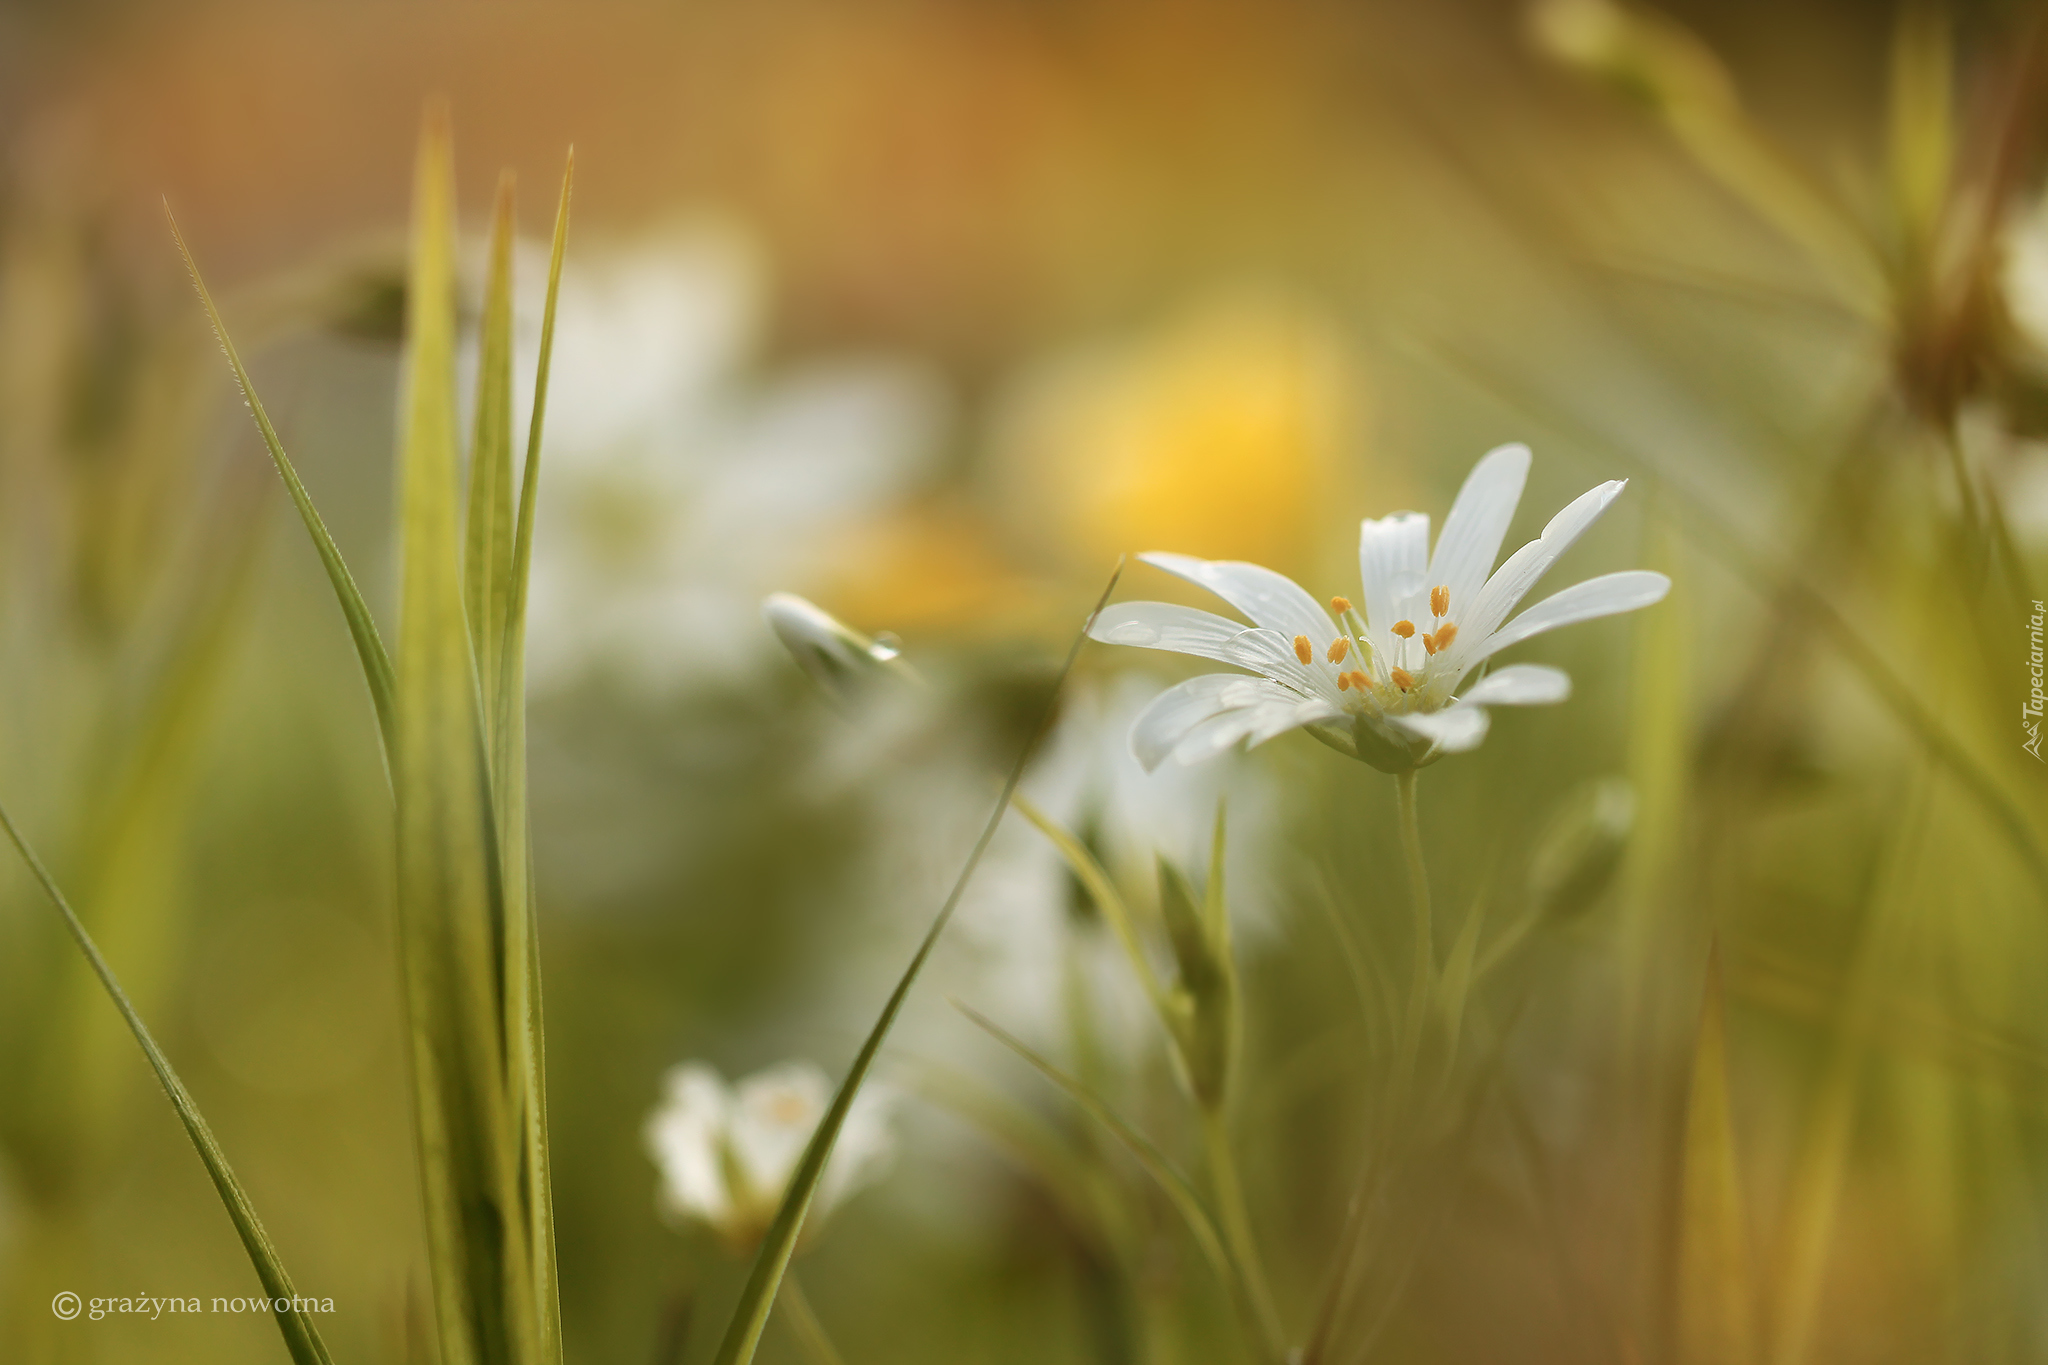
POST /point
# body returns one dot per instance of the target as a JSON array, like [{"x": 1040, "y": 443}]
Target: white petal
[
  {"x": 1393, "y": 562},
  {"x": 1161, "y": 625},
  {"x": 1454, "y": 729},
  {"x": 1519, "y": 685},
  {"x": 1272, "y": 600},
  {"x": 1253, "y": 725},
  {"x": 1470, "y": 540},
  {"x": 1606, "y": 595},
  {"x": 1184, "y": 630},
  {"x": 1512, "y": 580},
  {"x": 1180, "y": 711}
]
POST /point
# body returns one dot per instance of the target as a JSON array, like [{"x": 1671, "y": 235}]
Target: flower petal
[
  {"x": 1161, "y": 625},
  {"x": 1519, "y": 685},
  {"x": 1184, "y": 630},
  {"x": 1393, "y": 562},
  {"x": 1272, "y": 600},
  {"x": 1607, "y": 595},
  {"x": 1253, "y": 724},
  {"x": 1252, "y": 706},
  {"x": 1470, "y": 540},
  {"x": 1453, "y": 730},
  {"x": 1512, "y": 580}
]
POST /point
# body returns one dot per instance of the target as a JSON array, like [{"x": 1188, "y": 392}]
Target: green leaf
[
  {"x": 362, "y": 627},
  {"x": 757, "y": 1299},
  {"x": 487, "y": 568},
  {"x": 1095, "y": 878},
  {"x": 301, "y": 1338},
  {"x": 450, "y": 897},
  {"x": 528, "y": 1074}
]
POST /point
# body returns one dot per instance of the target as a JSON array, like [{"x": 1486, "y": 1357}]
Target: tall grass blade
[
  {"x": 301, "y": 1338},
  {"x": 1715, "y": 1318},
  {"x": 487, "y": 566},
  {"x": 757, "y": 1299},
  {"x": 527, "y": 1082},
  {"x": 1109, "y": 902},
  {"x": 451, "y": 919},
  {"x": 362, "y": 627}
]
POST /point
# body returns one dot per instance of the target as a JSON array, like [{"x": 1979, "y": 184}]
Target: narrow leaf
[
  {"x": 362, "y": 627},
  {"x": 528, "y": 1075},
  {"x": 301, "y": 1338},
  {"x": 487, "y": 568},
  {"x": 1095, "y": 879},
  {"x": 757, "y": 1299},
  {"x": 449, "y": 893}
]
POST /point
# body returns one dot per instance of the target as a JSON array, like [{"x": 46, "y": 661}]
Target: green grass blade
[
  {"x": 1715, "y": 1318},
  {"x": 527, "y": 1079},
  {"x": 1179, "y": 1190},
  {"x": 362, "y": 627},
  {"x": 757, "y": 1299},
  {"x": 487, "y": 568},
  {"x": 449, "y": 885},
  {"x": 301, "y": 1338},
  {"x": 1095, "y": 879}
]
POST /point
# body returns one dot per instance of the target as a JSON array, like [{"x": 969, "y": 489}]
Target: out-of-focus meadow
[{"x": 928, "y": 311}]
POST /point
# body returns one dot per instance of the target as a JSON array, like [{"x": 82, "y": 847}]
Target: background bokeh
[{"x": 929, "y": 310}]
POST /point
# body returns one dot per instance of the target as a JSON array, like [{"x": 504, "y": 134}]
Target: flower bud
[
  {"x": 838, "y": 658},
  {"x": 1203, "y": 1003}
]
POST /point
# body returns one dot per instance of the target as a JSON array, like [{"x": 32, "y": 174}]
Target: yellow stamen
[
  {"x": 1338, "y": 648},
  {"x": 1404, "y": 629},
  {"x": 1403, "y": 679},
  {"x": 1360, "y": 681},
  {"x": 1340, "y": 605},
  {"x": 1429, "y": 644},
  {"x": 1440, "y": 601},
  {"x": 1343, "y": 682},
  {"x": 1302, "y": 649},
  {"x": 1445, "y": 633}
]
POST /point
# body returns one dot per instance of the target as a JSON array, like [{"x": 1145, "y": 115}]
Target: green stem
[
  {"x": 805, "y": 1324},
  {"x": 1237, "y": 1231},
  {"x": 1424, "y": 981}
]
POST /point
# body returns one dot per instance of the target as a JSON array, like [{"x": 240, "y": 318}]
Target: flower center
[{"x": 1394, "y": 679}]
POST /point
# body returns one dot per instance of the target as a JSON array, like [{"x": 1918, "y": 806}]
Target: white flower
[
  {"x": 1381, "y": 686},
  {"x": 726, "y": 1153}
]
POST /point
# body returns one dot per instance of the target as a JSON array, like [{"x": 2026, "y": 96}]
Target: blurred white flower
[
  {"x": 1379, "y": 685},
  {"x": 679, "y": 480},
  {"x": 726, "y": 1153}
]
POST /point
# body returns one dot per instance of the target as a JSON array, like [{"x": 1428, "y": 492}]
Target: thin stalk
[
  {"x": 804, "y": 1323},
  {"x": 1422, "y": 987},
  {"x": 1237, "y": 1230}
]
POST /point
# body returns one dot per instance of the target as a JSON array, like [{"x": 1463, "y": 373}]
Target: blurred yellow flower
[{"x": 1220, "y": 430}]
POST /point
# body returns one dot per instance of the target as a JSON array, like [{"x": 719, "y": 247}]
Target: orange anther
[
  {"x": 1445, "y": 633},
  {"x": 1340, "y": 605},
  {"x": 1343, "y": 682},
  {"x": 1429, "y": 644},
  {"x": 1439, "y": 601},
  {"x": 1404, "y": 629},
  {"x": 1339, "y": 647},
  {"x": 1302, "y": 649},
  {"x": 1403, "y": 679}
]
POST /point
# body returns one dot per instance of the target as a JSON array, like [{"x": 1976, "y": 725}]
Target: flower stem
[
  {"x": 1425, "y": 926},
  {"x": 809, "y": 1331},
  {"x": 1237, "y": 1231}
]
